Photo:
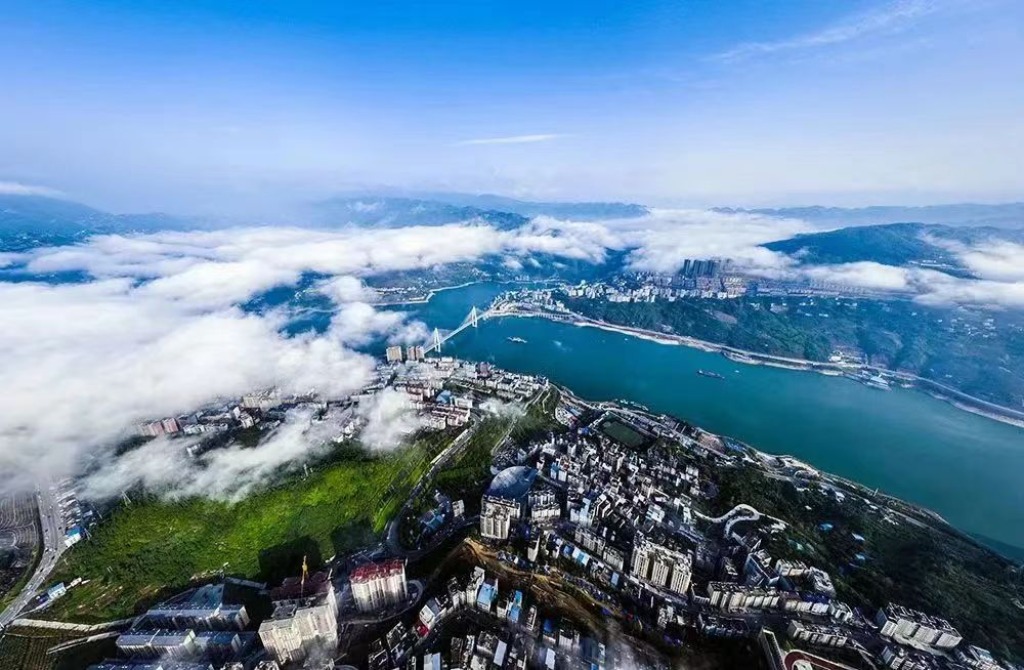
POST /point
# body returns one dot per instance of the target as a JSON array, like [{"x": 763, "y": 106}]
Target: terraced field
[
  {"x": 23, "y": 648},
  {"x": 19, "y": 542}
]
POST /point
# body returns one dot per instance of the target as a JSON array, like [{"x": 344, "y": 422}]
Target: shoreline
[
  {"x": 965, "y": 402},
  {"x": 913, "y": 512},
  {"x": 947, "y": 394},
  {"x": 424, "y": 299}
]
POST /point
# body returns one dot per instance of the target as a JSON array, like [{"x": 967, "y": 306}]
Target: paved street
[{"x": 52, "y": 548}]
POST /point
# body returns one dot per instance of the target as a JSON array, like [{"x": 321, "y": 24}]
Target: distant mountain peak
[
  {"x": 1005, "y": 215},
  {"x": 581, "y": 211}
]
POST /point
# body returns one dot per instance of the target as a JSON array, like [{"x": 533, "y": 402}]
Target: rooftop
[
  {"x": 317, "y": 583},
  {"x": 370, "y": 571},
  {"x": 512, "y": 483}
]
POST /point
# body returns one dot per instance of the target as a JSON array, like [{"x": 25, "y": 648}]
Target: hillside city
[
  {"x": 480, "y": 335},
  {"x": 594, "y": 542}
]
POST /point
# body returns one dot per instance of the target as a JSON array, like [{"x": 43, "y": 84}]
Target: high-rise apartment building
[{"x": 376, "y": 586}]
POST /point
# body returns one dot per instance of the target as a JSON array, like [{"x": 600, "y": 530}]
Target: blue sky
[{"x": 214, "y": 105}]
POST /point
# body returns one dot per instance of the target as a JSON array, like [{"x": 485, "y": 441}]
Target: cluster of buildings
[
  {"x": 503, "y": 505},
  {"x": 205, "y": 629},
  {"x": 412, "y": 353},
  {"x": 490, "y": 627},
  {"x": 200, "y": 626},
  {"x": 156, "y": 664},
  {"x": 599, "y": 503},
  {"x": 304, "y": 621},
  {"x": 75, "y": 516},
  {"x": 247, "y": 412},
  {"x": 424, "y": 385},
  {"x": 652, "y": 288},
  {"x": 303, "y": 627},
  {"x": 443, "y": 390},
  {"x": 661, "y": 566},
  {"x": 613, "y": 507},
  {"x": 966, "y": 657},
  {"x": 714, "y": 279},
  {"x": 902, "y": 623},
  {"x": 265, "y": 408}
]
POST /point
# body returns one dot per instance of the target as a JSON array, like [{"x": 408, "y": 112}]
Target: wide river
[{"x": 968, "y": 468}]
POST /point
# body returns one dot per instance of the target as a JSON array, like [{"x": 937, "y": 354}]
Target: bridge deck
[{"x": 471, "y": 321}]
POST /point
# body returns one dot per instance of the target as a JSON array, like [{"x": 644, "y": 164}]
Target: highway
[{"x": 52, "y": 524}]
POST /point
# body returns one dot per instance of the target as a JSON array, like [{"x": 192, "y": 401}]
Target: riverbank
[
  {"x": 431, "y": 293},
  {"x": 908, "y": 443},
  {"x": 949, "y": 395},
  {"x": 914, "y": 513},
  {"x": 420, "y": 299}
]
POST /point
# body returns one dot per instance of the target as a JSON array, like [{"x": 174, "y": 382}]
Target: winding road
[{"x": 732, "y": 517}]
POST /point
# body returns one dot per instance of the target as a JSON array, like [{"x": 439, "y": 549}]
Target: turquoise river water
[{"x": 966, "y": 467}]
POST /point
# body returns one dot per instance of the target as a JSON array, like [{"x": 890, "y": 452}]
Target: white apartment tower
[
  {"x": 376, "y": 586},
  {"x": 305, "y": 619},
  {"x": 660, "y": 566}
]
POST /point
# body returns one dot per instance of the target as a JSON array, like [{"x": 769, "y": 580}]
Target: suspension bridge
[{"x": 472, "y": 320}]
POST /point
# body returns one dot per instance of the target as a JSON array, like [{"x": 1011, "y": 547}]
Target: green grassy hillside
[{"x": 154, "y": 547}]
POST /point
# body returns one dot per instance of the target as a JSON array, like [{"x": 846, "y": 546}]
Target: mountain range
[
  {"x": 1007, "y": 215},
  {"x": 28, "y": 221},
  {"x": 33, "y": 220},
  {"x": 899, "y": 244}
]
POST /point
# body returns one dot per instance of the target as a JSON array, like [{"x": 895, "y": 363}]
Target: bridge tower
[
  {"x": 474, "y": 317},
  {"x": 437, "y": 340}
]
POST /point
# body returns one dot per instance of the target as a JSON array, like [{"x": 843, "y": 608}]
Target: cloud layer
[
  {"x": 17, "y": 188},
  {"x": 159, "y": 330}
]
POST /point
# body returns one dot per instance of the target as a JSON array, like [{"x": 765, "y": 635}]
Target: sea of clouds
[{"x": 157, "y": 328}]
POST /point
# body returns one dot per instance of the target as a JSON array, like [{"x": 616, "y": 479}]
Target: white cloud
[
  {"x": 409, "y": 332},
  {"x": 929, "y": 287},
  {"x": 997, "y": 264},
  {"x": 270, "y": 252},
  {"x": 510, "y": 262},
  {"x": 219, "y": 284},
  {"x": 502, "y": 409},
  {"x": 864, "y": 274},
  {"x": 580, "y": 241},
  {"x": 514, "y": 139},
  {"x": 158, "y": 332},
  {"x": 230, "y": 473},
  {"x": 390, "y": 419},
  {"x": 947, "y": 290},
  {"x": 661, "y": 241},
  {"x": 358, "y": 323},
  {"x": 16, "y": 188},
  {"x": 346, "y": 289},
  {"x": 81, "y": 363},
  {"x": 9, "y": 258},
  {"x": 890, "y": 18},
  {"x": 998, "y": 260}
]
